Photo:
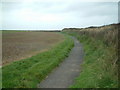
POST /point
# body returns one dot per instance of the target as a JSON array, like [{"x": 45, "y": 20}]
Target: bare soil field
[{"x": 20, "y": 45}]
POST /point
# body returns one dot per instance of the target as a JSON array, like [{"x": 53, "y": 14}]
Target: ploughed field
[{"x": 20, "y": 45}]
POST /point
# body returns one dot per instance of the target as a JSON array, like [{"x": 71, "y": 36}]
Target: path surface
[{"x": 64, "y": 75}]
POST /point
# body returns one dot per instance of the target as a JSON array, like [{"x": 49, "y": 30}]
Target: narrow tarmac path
[{"x": 64, "y": 75}]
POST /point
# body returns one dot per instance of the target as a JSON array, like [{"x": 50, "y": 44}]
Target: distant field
[
  {"x": 20, "y": 45},
  {"x": 29, "y": 72}
]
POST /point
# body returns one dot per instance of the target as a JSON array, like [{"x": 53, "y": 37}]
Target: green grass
[
  {"x": 12, "y": 31},
  {"x": 99, "y": 68},
  {"x": 29, "y": 72},
  {"x": 0, "y": 78}
]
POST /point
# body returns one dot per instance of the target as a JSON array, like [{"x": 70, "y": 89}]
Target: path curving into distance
[{"x": 64, "y": 75}]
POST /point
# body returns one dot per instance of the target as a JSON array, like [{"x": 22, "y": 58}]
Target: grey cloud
[
  {"x": 102, "y": 9},
  {"x": 75, "y": 14}
]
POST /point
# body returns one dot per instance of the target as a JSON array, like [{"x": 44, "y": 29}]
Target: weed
[{"x": 99, "y": 69}]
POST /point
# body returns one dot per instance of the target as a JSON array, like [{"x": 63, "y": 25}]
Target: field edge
[{"x": 27, "y": 73}]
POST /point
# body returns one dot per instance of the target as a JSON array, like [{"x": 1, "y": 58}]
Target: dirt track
[{"x": 64, "y": 75}]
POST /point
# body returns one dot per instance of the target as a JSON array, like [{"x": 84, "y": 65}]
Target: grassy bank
[
  {"x": 99, "y": 68},
  {"x": 29, "y": 72}
]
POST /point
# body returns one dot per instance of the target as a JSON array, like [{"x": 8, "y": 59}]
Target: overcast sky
[{"x": 56, "y": 14}]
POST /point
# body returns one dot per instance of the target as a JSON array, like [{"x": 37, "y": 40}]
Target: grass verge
[
  {"x": 27, "y": 73},
  {"x": 99, "y": 68}
]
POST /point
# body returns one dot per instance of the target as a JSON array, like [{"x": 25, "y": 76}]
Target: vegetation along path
[{"x": 64, "y": 75}]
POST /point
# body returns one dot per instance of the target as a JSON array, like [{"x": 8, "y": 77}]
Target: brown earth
[{"x": 20, "y": 45}]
